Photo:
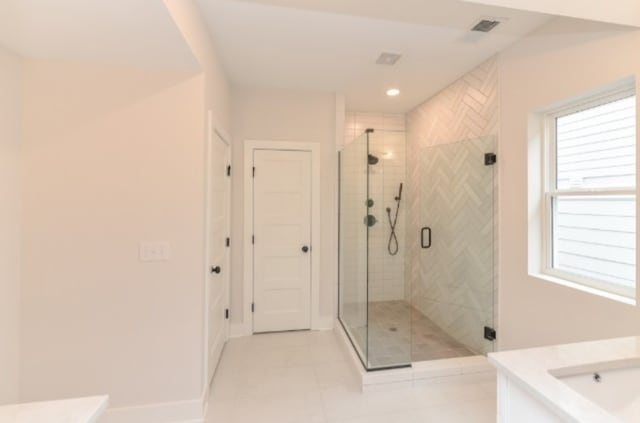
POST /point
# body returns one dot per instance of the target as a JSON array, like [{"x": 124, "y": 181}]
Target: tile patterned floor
[
  {"x": 304, "y": 377},
  {"x": 399, "y": 334}
]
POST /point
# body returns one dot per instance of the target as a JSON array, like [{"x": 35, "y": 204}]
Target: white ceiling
[
  {"x": 133, "y": 32},
  {"x": 620, "y": 12},
  {"x": 328, "y": 45},
  {"x": 332, "y": 45}
]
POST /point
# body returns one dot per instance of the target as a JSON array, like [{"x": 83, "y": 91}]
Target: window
[{"x": 590, "y": 194}]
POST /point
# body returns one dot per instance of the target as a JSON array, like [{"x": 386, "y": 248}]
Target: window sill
[{"x": 583, "y": 288}]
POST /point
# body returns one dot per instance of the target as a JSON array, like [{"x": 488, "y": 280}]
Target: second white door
[{"x": 282, "y": 240}]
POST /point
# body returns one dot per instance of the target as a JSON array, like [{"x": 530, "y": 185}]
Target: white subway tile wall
[
  {"x": 386, "y": 271},
  {"x": 388, "y": 144},
  {"x": 356, "y": 123}
]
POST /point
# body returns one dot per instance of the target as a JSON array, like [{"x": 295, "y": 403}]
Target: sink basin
[{"x": 614, "y": 386}]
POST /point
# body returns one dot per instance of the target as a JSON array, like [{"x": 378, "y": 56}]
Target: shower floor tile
[{"x": 399, "y": 334}]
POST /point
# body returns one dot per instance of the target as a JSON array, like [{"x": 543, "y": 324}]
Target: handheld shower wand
[
  {"x": 399, "y": 197},
  {"x": 392, "y": 245}
]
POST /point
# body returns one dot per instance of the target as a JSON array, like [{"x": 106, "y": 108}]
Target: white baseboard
[
  {"x": 237, "y": 330},
  {"x": 192, "y": 411},
  {"x": 326, "y": 323}
]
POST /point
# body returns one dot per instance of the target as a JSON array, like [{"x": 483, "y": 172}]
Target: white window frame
[{"x": 549, "y": 192}]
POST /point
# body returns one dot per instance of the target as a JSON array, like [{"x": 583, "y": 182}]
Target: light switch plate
[{"x": 150, "y": 251}]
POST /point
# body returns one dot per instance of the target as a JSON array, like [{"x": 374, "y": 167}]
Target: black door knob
[
  {"x": 215, "y": 269},
  {"x": 305, "y": 249}
]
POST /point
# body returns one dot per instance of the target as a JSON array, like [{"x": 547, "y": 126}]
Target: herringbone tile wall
[
  {"x": 388, "y": 142},
  {"x": 467, "y": 109},
  {"x": 456, "y": 285}
]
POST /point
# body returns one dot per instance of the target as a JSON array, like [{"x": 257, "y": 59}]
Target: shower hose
[{"x": 392, "y": 245}]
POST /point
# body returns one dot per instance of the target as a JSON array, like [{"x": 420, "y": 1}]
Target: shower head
[{"x": 373, "y": 159}]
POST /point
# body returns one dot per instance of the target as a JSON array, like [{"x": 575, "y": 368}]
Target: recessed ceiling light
[{"x": 393, "y": 92}]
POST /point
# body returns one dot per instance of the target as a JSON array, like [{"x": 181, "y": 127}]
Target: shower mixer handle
[{"x": 422, "y": 231}]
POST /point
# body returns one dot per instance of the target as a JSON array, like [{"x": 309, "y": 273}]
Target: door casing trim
[{"x": 247, "y": 287}]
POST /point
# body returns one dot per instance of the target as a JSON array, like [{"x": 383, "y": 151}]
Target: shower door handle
[{"x": 422, "y": 231}]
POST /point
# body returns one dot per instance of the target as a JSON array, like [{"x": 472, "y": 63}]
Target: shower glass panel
[
  {"x": 353, "y": 295},
  {"x": 453, "y": 298},
  {"x": 389, "y": 314},
  {"x": 373, "y": 307}
]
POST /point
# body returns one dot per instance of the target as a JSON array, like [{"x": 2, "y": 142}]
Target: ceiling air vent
[
  {"x": 388, "y": 59},
  {"x": 485, "y": 25}
]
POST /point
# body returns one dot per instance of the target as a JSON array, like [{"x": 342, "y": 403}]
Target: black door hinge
[
  {"x": 254, "y": 171},
  {"x": 490, "y": 159},
  {"x": 226, "y": 313},
  {"x": 489, "y": 333},
  {"x": 253, "y": 307},
  {"x": 228, "y": 170},
  {"x": 228, "y": 242},
  {"x": 253, "y": 239}
]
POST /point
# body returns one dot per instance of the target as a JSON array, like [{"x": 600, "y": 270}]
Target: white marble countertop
[
  {"x": 534, "y": 368},
  {"x": 76, "y": 410}
]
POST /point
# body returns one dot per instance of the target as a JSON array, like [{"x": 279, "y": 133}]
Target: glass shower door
[
  {"x": 372, "y": 298},
  {"x": 455, "y": 291}
]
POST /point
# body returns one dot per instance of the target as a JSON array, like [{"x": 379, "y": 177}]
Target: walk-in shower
[{"x": 416, "y": 267}]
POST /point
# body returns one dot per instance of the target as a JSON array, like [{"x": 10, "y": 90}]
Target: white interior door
[
  {"x": 282, "y": 243},
  {"x": 218, "y": 251}
]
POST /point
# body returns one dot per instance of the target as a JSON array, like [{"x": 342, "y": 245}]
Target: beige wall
[
  {"x": 113, "y": 156},
  {"x": 278, "y": 115},
  {"x": 564, "y": 59},
  {"x": 10, "y": 177}
]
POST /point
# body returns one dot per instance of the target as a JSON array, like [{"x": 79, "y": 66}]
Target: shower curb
[{"x": 419, "y": 374}]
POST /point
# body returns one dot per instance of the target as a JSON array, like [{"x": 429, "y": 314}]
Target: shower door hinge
[
  {"x": 490, "y": 159},
  {"x": 228, "y": 242},
  {"x": 228, "y": 170},
  {"x": 253, "y": 307},
  {"x": 226, "y": 313},
  {"x": 489, "y": 333}
]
